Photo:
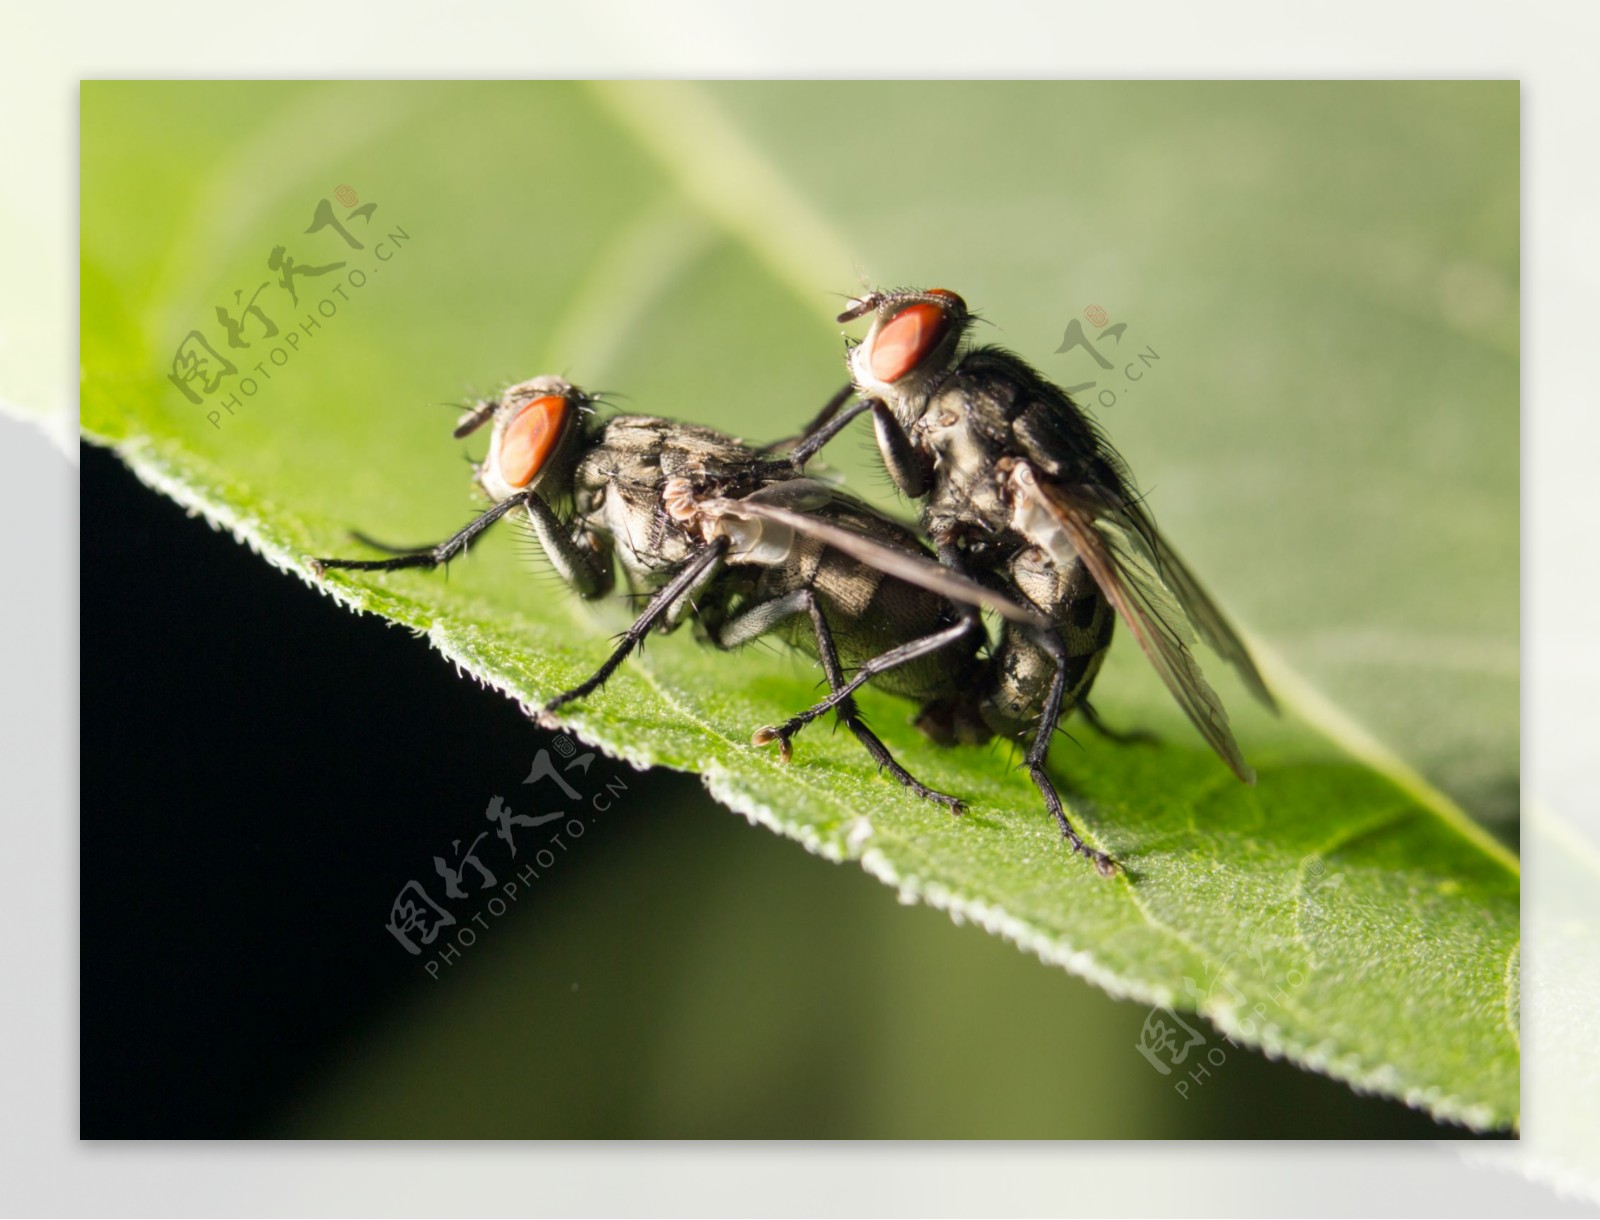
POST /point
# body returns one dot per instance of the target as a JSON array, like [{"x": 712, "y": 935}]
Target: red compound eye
[
  {"x": 906, "y": 339},
  {"x": 528, "y": 440}
]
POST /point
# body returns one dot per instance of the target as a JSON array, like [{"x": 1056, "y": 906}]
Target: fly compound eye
[
  {"x": 906, "y": 339},
  {"x": 953, "y": 298},
  {"x": 529, "y": 439}
]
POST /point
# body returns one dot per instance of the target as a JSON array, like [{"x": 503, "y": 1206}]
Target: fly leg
[
  {"x": 847, "y": 713},
  {"x": 840, "y": 397},
  {"x": 586, "y": 571},
  {"x": 692, "y": 577},
  {"x": 1039, "y": 751},
  {"x": 1048, "y": 639},
  {"x": 909, "y": 468},
  {"x": 971, "y": 620},
  {"x": 428, "y": 556},
  {"x": 388, "y": 548},
  {"x": 823, "y": 429},
  {"x": 764, "y": 618}
]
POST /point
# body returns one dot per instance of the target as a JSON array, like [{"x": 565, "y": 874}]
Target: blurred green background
[{"x": 1329, "y": 275}]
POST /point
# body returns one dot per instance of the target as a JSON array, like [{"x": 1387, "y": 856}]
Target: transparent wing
[
  {"x": 1204, "y": 613},
  {"x": 1056, "y": 426},
  {"x": 1118, "y": 550}
]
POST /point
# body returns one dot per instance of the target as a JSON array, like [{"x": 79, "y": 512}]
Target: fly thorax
[
  {"x": 627, "y": 519},
  {"x": 692, "y": 513},
  {"x": 965, "y": 485}
]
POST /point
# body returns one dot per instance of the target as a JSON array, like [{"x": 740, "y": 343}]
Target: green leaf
[{"x": 1326, "y": 276}]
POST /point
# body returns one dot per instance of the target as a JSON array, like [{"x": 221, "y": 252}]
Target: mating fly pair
[
  {"x": 1031, "y": 513},
  {"x": 711, "y": 530}
]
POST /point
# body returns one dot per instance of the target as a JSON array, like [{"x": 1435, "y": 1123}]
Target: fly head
[
  {"x": 914, "y": 339},
  {"x": 537, "y": 428}
]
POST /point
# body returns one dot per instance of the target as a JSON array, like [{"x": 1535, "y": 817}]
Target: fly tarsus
[
  {"x": 1103, "y": 864},
  {"x": 886, "y": 762},
  {"x": 784, "y": 734},
  {"x": 913, "y": 650},
  {"x": 426, "y": 557},
  {"x": 844, "y": 707},
  {"x": 701, "y": 567}
]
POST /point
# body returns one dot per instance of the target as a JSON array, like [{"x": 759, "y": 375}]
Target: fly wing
[
  {"x": 1204, "y": 613},
  {"x": 769, "y": 504},
  {"x": 1051, "y": 424},
  {"x": 1128, "y": 568}
]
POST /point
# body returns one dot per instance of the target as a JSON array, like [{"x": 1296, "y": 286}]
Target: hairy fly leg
[
  {"x": 761, "y": 619},
  {"x": 426, "y": 556},
  {"x": 824, "y": 428},
  {"x": 910, "y": 469},
  {"x": 694, "y": 575},
  {"x": 587, "y": 572},
  {"x": 1053, "y": 645},
  {"x": 914, "y": 650}
]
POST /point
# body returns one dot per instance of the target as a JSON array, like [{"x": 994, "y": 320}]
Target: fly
[
  {"x": 1019, "y": 488},
  {"x": 706, "y": 528}
]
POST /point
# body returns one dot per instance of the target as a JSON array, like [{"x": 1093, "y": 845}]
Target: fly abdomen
[{"x": 1021, "y": 667}]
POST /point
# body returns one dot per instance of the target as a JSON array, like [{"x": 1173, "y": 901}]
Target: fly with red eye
[
  {"x": 530, "y": 438},
  {"x": 707, "y": 529},
  {"x": 538, "y": 427},
  {"x": 1021, "y": 490},
  {"x": 910, "y": 329}
]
